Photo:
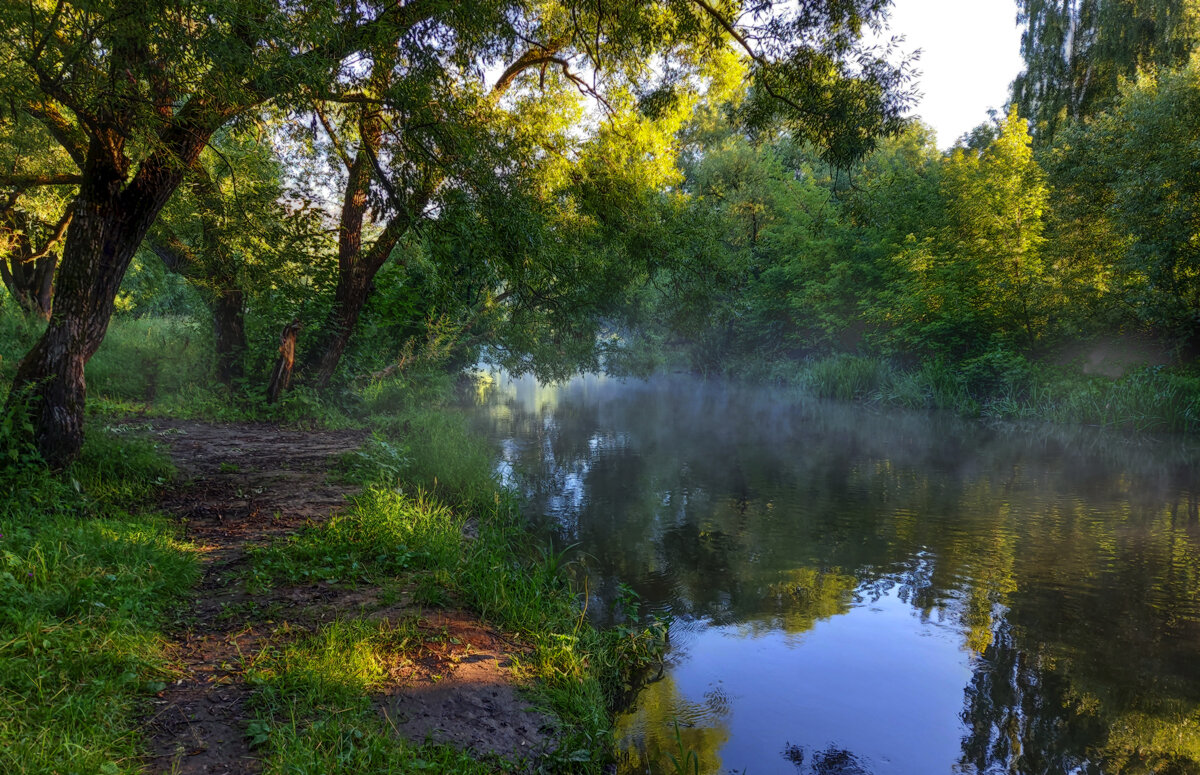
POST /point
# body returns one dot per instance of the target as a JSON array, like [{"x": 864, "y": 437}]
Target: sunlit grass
[
  {"x": 314, "y": 711},
  {"x": 398, "y": 530},
  {"x": 87, "y": 580}
]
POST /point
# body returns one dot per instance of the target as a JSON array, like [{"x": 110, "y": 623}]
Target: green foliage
[
  {"x": 377, "y": 459},
  {"x": 1150, "y": 146},
  {"x": 684, "y": 760},
  {"x": 1076, "y": 54},
  {"x": 446, "y": 460},
  {"x": 87, "y": 583},
  {"x": 977, "y": 283},
  {"x": 142, "y": 358}
]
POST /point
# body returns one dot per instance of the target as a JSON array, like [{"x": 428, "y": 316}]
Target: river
[{"x": 859, "y": 591}]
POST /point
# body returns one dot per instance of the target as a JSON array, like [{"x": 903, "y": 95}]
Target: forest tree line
[{"x": 566, "y": 186}]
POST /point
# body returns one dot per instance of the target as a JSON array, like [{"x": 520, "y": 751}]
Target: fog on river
[{"x": 857, "y": 591}]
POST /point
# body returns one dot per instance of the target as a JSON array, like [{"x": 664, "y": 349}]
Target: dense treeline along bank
[
  {"x": 746, "y": 205},
  {"x": 406, "y": 188}
]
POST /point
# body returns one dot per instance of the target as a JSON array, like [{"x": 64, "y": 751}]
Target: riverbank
[
  {"x": 198, "y": 597},
  {"x": 1121, "y": 391}
]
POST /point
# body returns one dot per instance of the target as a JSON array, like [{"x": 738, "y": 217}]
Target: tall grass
[
  {"x": 1151, "y": 399},
  {"x": 844, "y": 377},
  {"x": 142, "y": 358}
]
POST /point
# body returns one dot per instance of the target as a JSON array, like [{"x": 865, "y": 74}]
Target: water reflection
[{"x": 868, "y": 592}]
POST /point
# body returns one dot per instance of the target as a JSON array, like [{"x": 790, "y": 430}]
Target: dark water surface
[{"x": 865, "y": 592}]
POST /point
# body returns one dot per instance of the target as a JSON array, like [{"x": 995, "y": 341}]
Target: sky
[{"x": 971, "y": 51}]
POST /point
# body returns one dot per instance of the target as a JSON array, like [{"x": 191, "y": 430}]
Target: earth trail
[{"x": 245, "y": 485}]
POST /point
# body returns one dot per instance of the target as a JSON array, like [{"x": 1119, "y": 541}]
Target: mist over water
[{"x": 865, "y": 592}]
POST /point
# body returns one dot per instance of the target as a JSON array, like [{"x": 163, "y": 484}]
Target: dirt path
[{"x": 248, "y": 484}]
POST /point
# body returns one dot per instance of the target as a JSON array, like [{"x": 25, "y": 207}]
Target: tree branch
[
  {"x": 23, "y": 182},
  {"x": 534, "y": 57},
  {"x": 333, "y": 138},
  {"x": 60, "y": 231},
  {"x": 68, "y": 135}
]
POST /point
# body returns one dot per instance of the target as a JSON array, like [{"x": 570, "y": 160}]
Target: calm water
[{"x": 864, "y": 592}]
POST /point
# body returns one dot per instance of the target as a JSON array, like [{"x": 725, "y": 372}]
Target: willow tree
[
  {"x": 430, "y": 140},
  {"x": 148, "y": 83}
]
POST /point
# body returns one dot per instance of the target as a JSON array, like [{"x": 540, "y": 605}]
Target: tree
[
  {"x": 977, "y": 282},
  {"x": 421, "y": 147},
  {"x": 1077, "y": 51},
  {"x": 148, "y": 85},
  {"x": 996, "y": 202},
  {"x": 38, "y": 182},
  {"x": 223, "y": 232},
  {"x": 1148, "y": 147}
]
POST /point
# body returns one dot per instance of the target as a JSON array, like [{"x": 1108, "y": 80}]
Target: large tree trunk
[
  {"x": 110, "y": 221},
  {"x": 226, "y": 304},
  {"x": 356, "y": 267},
  {"x": 353, "y": 288}
]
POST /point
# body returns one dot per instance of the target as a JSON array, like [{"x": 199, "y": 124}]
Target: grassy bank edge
[
  {"x": 93, "y": 579},
  {"x": 1000, "y": 385},
  {"x": 426, "y": 479}
]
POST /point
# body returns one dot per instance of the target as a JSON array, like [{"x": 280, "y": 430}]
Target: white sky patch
[{"x": 970, "y": 54}]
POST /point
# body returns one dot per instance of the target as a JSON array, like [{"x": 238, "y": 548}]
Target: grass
[
  {"x": 398, "y": 529},
  {"x": 1151, "y": 399},
  {"x": 88, "y": 579},
  {"x": 315, "y": 712}
]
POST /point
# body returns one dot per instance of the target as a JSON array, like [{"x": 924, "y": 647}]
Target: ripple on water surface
[{"x": 860, "y": 592}]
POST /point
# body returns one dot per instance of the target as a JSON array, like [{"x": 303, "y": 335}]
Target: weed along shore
[{"x": 246, "y": 597}]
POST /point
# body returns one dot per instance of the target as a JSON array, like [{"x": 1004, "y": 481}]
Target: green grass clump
[
  {"x": 385, "y": 533},
  {"x": 314, "y": 712},
  {"x": 86, "y": 583},
  {"x": 1151, "y": 399},
  {"x": 844, "y": 377},
  {"x": 397, "y": 531},
  {"x": 445, "y": 459}
]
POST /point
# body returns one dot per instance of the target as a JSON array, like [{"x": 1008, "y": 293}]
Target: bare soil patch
[
  {"x": 459, "y": 691},
  {"x": 242, "y": 485}
]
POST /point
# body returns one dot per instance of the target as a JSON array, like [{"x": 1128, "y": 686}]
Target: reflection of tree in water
[
  {"x": 805, "y": 595},
  {"x": 830, "y": 761},
  {"x": 647, "y": 733},
  {"x": 1022, "y": 717},
  {"x": 1029, "y": 713},
  {"x": 1073, "y": 566}
]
